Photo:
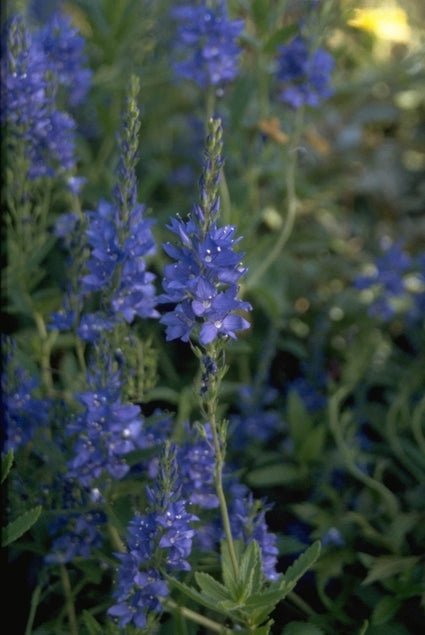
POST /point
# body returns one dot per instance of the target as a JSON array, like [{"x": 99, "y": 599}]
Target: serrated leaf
[
  {"x": 18, "y": 527},
  {"x": 302, "y": 564},
  {"x": 301, "y": 628},
  {"x": 211, "y": 589},
  {"x": 6, "y": 464},
  {"x": 227, "y": 571},
  {"x": 250, "y": 570},
  {"x": 193, "y": 594}
]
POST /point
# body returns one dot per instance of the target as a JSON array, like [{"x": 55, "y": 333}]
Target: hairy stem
[{"x": 291, "y": 208}]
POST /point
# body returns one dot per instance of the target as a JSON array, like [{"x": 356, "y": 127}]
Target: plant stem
[
  {"x": 335, "y": 425},
  {"x": 69, "y": 603},
  {"x": 418, "y": 418},
  {"x": 35, "y": 599},
  {"x": 195, "y": 617},
  {"x": 291, "y": 207},
  {"x": 219, "y": 462}
]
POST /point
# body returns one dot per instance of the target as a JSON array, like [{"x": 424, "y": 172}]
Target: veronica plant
[{"x": 202, "y": 287}]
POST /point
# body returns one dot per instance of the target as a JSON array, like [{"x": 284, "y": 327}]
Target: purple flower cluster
[
  {"x": 248, "y": 522},
  {"x": 117, "y": 264},
  {"x": 257, "y": 419},
  {"x": 305, "y": 74},
  {"x": 106, "y": 431},
  {"x": 33, "y": 69},
  {"x": 120, "y": 239},
  {"x": 164, "y": 535},
  {"x": 63, "y": 47},
  {"x": 207, "y": 43},
  {"x": 22, "y": 412},
  {"x": 397, "y": 282},
  {"x": 78, "y": 535},
  {"x": 202, "y": 283}
]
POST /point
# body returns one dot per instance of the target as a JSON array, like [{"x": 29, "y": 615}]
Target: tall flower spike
[
  {"x": 162, "y": 536},
  {"x": 28, "y": 105},
  {"x": 120, "y": 236},
  {"x": 202, "y": 282}
]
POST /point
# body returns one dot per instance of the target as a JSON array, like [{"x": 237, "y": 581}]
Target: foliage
[{"x": 213, "y": 317}]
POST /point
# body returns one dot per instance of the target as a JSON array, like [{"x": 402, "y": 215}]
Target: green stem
[
  {"x": 395, "y": 442},
  {"x": 70, "y": 609},
  {"x": 219, "y": 462},
  {"x": 46, "y": 348},
  {"x": 301, "y": 604},
  {"x": 35, "y": 599},
  {"x": 418, "y": 418},
  {"x": 291, "y": 208},
  {"x": 195, "y": 617},
  {"x": 346, "y": 452}
]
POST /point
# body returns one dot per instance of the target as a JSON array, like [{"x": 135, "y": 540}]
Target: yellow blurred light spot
[{"x": 386, "y": 23}]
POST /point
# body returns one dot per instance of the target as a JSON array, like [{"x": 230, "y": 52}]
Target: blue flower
[
  {"x": 202, "y": 282},
  {"x": 163, "y": 535},
  {"x": 248, "y": 522},
  {"x": 396, "y": 281},
  {"x": 29, "y": 103},
  {"x": 306, "y": 74},
  {"x": 80, "y": 534},
  {"x": 207, "y": 44},
  {"x": 23, "y": 412},
  {"x": 63, "y": 47},
  {"x": 105, "y": 431}
]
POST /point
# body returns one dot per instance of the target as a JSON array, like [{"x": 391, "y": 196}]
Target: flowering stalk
[{"x": 202, "y": 284}]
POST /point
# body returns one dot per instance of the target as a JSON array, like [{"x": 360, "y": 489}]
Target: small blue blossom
[
  {"x": 397, "y": 283},
  {"x": 207, "y": 43},
  {"x": 197, "y": 466},
  {"x": 202, "y": 282},
  {"x": 256, "y": 420},
  {"x": 248, "y": 522},
  {"x": 63, "y": 47},
  {"x": 29, "y": 103},
  {"x": 23, "y": 412},
  {"x": 306, "y": 74},
  {"x": 105, "y": 432},
  {"x": 79, "y": 535},
  {"x": 163, "y": 535},
  {"x": 333, "y": 537}
]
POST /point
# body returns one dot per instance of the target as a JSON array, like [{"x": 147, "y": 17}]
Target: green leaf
[
  {"x": 276, "y": 474},
  {"x": 311, "y": 448},
  {"x": 301, "y": 628},
  {"x": 93, "y": 627},
  {"x": 212, "y": 590},
  {"x": 193, "y": 594},
  {"x": 6, "y": 464},
  {"x": 18, "y": 527},
  {"x": 300, "y": 423},
  {"x": 388, "y": 566},
  {"x": 385, "y": 610},
  {"x": 250, "y": 570},
  {"x": 299, "y": 567}
]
